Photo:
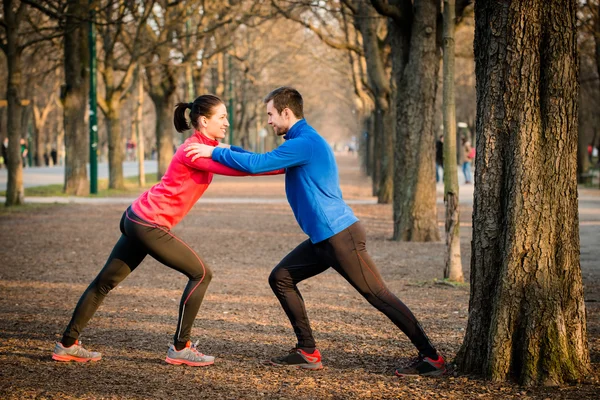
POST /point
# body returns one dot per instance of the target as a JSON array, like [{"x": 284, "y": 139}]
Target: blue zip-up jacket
[{"x": 312, "y": 184}]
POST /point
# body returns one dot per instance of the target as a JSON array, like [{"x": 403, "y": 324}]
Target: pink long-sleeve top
[{"x": 184, "y": 182}]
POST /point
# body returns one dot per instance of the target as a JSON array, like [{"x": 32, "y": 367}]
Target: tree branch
[
  {"x": 324, "y": 37},
  {"x": 402, "y": 14}
]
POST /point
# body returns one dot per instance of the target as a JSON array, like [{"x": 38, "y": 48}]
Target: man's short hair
[{"x": 289, "y": 97}]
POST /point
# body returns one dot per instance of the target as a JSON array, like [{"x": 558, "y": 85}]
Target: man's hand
[{"x": 198, "y": 150}]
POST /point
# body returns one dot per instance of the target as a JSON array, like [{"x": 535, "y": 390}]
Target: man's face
[{"x": 279, "y": 122}]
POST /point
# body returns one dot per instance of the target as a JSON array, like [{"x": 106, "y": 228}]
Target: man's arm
[
  {"x": 206, "y": 164},
  {"x": 290, "y": 154}
]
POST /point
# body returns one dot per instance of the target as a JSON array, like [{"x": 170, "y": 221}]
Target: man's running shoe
[
  {"x": 423, "y": 366},
  {"x": 74, "y": 353},
  {"x": 188, "y": 356},
  {"x": 299, "y": 358}
]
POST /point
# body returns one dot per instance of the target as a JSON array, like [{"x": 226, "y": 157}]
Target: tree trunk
[
  {"x": 367, "y": 22},
  {"x": 162, "y": 88},
  {"x": 115, "y": 143},
  {"x": 453, "y": 266},
  {"x": 74, "y": 97},
  {"x": 139, "y": 133},
  {"x": 14, "y": 188},
  {"x": 526, "y": 309},
  {"x": 415, "y": 217}
]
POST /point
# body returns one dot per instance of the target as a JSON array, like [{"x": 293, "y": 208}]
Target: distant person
[
  {"x": 5, "y": 152},
  {"x": 46, "y": 159},
  {"x": 53, "y": 156},
  {"x": 468, "y": 157},
  {"x": 24, "y": 152},
  {"x": 439, "y": 159},
  {"x": 146, "y": 230},
  {"x": 337, "y": 239}
]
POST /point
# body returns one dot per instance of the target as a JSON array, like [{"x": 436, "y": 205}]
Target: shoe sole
[
  {"x": 67, "y": 358},
  {"x": 432, "y": 373},
  {"x": 310, "y": 367},
  {"x": 175, "y": 361}
]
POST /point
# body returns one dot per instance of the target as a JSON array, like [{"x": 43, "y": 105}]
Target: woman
[
  {"x": 146, "y": 229},
  {"x": 468, "y": 156}
]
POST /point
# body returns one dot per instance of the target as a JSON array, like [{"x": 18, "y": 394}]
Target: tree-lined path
[{"x": 49, "y": 253}]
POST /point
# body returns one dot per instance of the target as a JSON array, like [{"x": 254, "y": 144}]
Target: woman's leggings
[
  {"x": 140, "y": 238},
  {"x": 345, "y": 252}
]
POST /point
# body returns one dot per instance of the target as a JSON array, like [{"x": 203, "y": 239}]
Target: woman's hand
[{"x": 198, "y": 150}]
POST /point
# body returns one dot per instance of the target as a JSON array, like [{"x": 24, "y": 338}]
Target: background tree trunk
[
  {"x": 415, "y": 216},
  {"x": 367, "y": 23},
  {"x": 116, "y": 154},
  {"x": 139, "y": 133},
  {"x": 14, "y": 188},
  {"x": 526, "y": 309},
  {"x": 74, "y": 98},
  {"x": 161, "y": 82},
  {"x": 453, "y": 266}
]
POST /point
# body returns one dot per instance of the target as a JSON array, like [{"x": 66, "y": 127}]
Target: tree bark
[
  {"x": 526, "y": 309},
  {"x": 116, "y": 154},
  {"x": 14, "y": 188},
  {"x": 415, "y": 216},
  {"x": 74, "y": 97},
  {"x": 139, "y": 133},
  {"x": 452, "y": 265},
  {"x": 162, "y": 87},
  {"x": 367, "y": 23}
]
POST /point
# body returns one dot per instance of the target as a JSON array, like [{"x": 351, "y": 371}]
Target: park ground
[{"x": 49, "y": 253}]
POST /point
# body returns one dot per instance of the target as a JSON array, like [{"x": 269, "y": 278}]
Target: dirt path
[{"x": 49, "y": 254}]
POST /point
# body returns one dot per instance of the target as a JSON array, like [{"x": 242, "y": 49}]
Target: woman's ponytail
[{"x": 179, "y": 119}]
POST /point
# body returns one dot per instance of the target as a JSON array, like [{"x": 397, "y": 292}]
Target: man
[{"x": 336, "y": 237}]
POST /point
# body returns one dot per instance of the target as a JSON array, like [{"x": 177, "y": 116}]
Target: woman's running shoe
[
  {"x": 189, "y": 355},
  {"x": 76, "y": 352}
]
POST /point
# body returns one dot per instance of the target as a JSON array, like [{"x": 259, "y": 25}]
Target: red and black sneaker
[
  {"x": 299, "y": 358},
  {"x": 423, "y": 366}
]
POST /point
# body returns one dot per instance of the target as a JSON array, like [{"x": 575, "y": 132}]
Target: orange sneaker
[
  {"x": 75, "y": 352},
  {"x": 188, "y": 356}
]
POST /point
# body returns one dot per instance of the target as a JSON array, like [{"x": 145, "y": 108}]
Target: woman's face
[{"x": 216, "y": 126}]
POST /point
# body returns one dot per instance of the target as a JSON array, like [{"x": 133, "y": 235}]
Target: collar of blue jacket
[{"x": 296, "y": 129}]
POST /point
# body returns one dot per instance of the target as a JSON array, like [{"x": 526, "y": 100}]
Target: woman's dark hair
[{"x": 203, "y": 106}]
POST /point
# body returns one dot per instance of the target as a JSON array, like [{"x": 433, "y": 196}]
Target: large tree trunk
[
  {"x": 526, "y": 310},
  {"x": 453, "y": 266},
  {"x": 14, "y": 188},
  {"x": 415, "y": 216},
  {"x": 75, "y": 99}
]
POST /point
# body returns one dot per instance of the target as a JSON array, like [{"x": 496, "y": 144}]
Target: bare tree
[
  {"x": 13, "y": 13},
  {"x": 526, "y": 309},
  {"x": 415, "y": 31},
  {"x": 21, "y": 27},
  {"x": 453, "y": 266},
  {"x": 119, "y": 30}
]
